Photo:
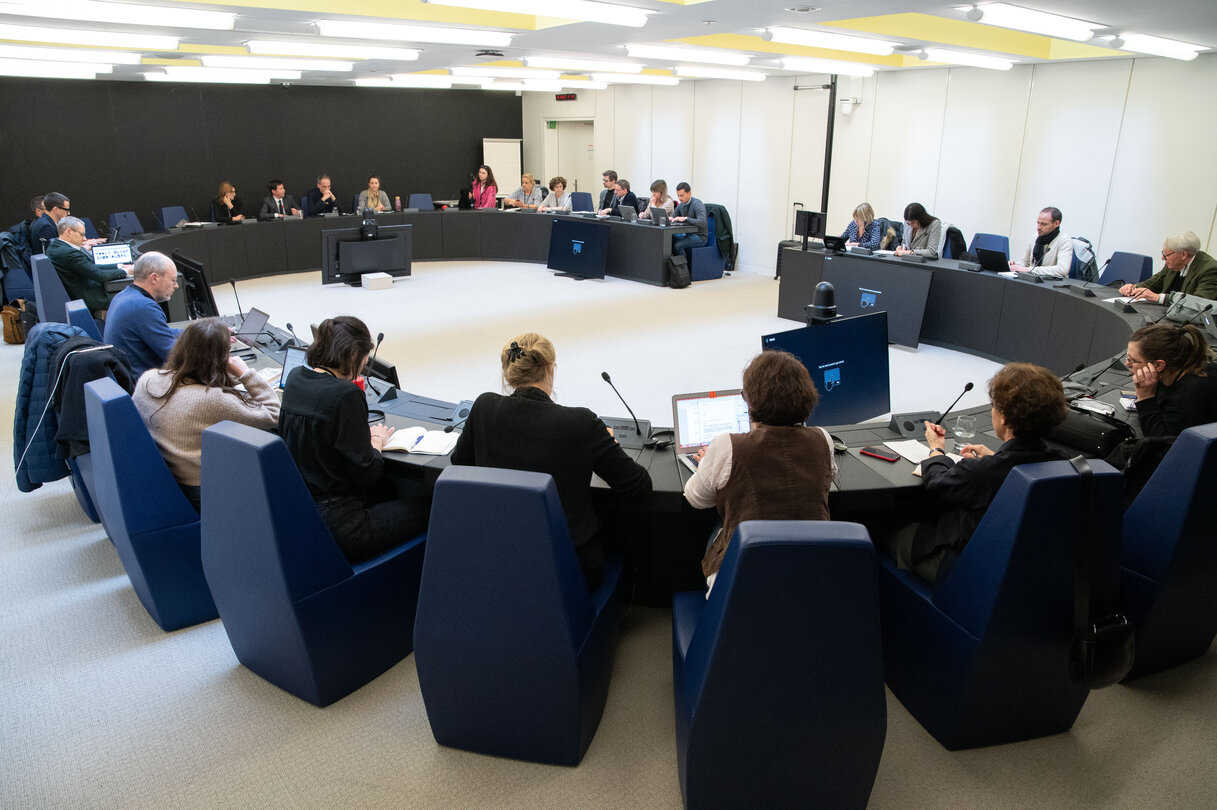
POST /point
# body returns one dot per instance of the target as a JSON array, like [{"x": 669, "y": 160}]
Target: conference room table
[{"x": 636, "y": 251}]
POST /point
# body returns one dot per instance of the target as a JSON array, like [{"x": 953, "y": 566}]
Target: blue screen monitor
[
  {"x": 578, "y": 247},
  {"x": 847, "y": 359}
]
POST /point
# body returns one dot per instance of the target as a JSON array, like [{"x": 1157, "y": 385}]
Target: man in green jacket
[
  {"x": 81, "y": 277},
  {"x": 1187, "y": 269}
]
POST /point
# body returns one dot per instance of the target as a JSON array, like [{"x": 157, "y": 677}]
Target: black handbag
[
  {"x": 1094, "y": 434},
  {"x": 1103, "y": 648}
]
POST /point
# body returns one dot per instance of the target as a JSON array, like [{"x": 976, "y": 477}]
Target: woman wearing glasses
[{"x": 1174, "y": 378}]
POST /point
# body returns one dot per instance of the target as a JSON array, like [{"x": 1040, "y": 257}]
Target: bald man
[{"x": 136, "y": 322}]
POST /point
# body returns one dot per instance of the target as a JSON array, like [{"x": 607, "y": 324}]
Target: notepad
[{"x": 420, "y": 441}]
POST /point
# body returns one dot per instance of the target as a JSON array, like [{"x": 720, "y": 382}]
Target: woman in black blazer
[
  {"x": 226, "y": 207},
  {"x": 529, "y": 431}
]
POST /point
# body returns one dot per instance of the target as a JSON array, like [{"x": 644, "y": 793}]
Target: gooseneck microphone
[
  {"x": 295, "y": 337},
  {"x": 366, "y": 375},
  {"x": 233, "y": 282},
  {"x": 605, "y": 376},
  {"x": 965, "y": 390}
]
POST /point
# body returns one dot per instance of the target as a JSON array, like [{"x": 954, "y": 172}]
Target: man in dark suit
[
  {"x": 45, "y": 228},
  {"x": 321, "y": 200},
  {"x": 80, "y": 276},
  {"x": 279, "y": 204},
  {"x": 622, "y": 196},
  {"x": 1186, "y": 269},
  {"x": 610, "y": 184}
]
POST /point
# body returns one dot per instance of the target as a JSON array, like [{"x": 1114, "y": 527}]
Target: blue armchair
[
  {"x": 990, "y": 241},
  {"x": 50, "y": 296},
  {"x": 1131, "y": 268},
  {"x": 514, "y": 655},
  {"x": 154, "y": 528},
  {"x": 170, "y": 215},
  {"x": 79, "y": 316},
  {"x": 706, "y": 262},
  {"x": 778, "y": 675},
  {"x": 982, "y": 658},
  {"x": 582, "y": 201},
  {"x": 295, "y": 611},
  {"x": 127, "y": 223},
  {"x": 422, "y": 202},
  {"x": 1170, "y": 559}
]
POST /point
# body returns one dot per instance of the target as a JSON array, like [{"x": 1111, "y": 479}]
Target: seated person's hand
[
  {"x": 1145, "y": 382},
  {"x": 935, "y": 436},
  {"x": 901, "y": 251},
  {"x": 236, "y": 366},
  {"x": 238, "y": 218},
  {"x": 851, "y": 244},
  {"x": 699, "y": 455},
  {"x": 1143, "y": 294},
  {"x": 295, "y": 212},
  {"x": 1018, "y": 268},
  {"x": 129, "y": 269},
  {"x": 1127, "y": 289},
  {"x": 677, "y": 219},
  {"x": 975, "y": 451},
  {"x": 380, "y": 435}
]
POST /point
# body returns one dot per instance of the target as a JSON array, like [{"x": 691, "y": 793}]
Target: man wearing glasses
[
  {"x": 1187, "y": 270},
  {"x": 81, "y": 277},
  {"x": 46, "y": 227}
]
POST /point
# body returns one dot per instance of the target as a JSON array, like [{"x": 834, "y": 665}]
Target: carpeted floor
[{"x": 99, "y": 708}]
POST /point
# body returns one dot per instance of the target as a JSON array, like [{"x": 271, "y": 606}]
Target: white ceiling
[{"x": 1193, "y": 21}]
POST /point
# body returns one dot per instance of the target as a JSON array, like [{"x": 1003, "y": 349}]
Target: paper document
[
  {"x": 910, "y": 449},
  {"x": 1123, "y": 299},
  {"x": 422, "y": 442}
]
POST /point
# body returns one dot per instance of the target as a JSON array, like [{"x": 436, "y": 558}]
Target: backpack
[
  {"x": 1084, "y": 267},
  {"x": 19, "y": 318},
  {"x": 678, "y": 272}
]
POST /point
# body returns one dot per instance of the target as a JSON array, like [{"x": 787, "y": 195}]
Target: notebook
[
  {"x": 700, "y": 417},
  {"x": 111, "y": 254},
  {"x": 251, "y": 329}
]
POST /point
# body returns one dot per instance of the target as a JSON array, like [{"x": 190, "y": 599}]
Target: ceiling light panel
[
  {"x": 673, "y": 53},
  {"x": 1160, "y": 46},
  {"x": 312, "y": 47},
  {"x": 77, "y": 36},
  {"x": 69, "y": 55},
  {"x": 34, "y": 69},
  {"x": 219, "y": 74},
  {"x": 1004, "y": 15},
  {"x": 644, "y": 78},
  {"x": 580, "y": 10},
  {"x": 563, "y": 63},
  {"x": 804, "y": 64},
  {"x": 430, "y": 80},
  {"x": 823, "y": 39},
  {"x": 233, "y": 77},
  {"x": 124, "y": 13},
  {"x": 701, "y": 72},
  {"x": 271, "y": 63},
  {"x": 969, "y": 59},
  {"x": 507, "y": 73},
  {"x": 412, "y": 33}
]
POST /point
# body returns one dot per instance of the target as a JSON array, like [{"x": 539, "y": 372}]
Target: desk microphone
[
  {"x": 367, "y": 375},
  {"x": 1089, "y": 382},
  {"x": 605, "y": 376},
  {"x": 233, "y": 282},
  {"x": 194, "y": 214},
  {"x": 294, "y": 336},
  {"x": 965, "y": 390},
  {"x": 458, "y": 423}
]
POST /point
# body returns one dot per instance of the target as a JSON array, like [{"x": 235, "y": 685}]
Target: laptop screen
[
  {"x": 293, "y": 357},
  {"x": 251, "y": 328},
  {"x": 118, "y": 253},
  {"x": 701, "y": 417}
]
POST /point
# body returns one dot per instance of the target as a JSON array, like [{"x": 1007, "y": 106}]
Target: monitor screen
[
  {"x": 200, "y": 303},
  {"x": 117, "y": 253},
  {"x": 342, "y": 261},
  {"x": 578, "y": 247},
  {"x": 810, "y": 224},
  {"x": 293, "y": 358},
  {"x": 701, "y": 417},
  {"x": 847, "y": 358}
]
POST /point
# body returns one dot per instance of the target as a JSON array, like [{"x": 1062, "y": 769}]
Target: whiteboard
[{"x": 502, "y": 155}]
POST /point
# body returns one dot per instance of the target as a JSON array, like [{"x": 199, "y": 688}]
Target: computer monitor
[
  {"x": 346, "y": 255},
  {"x": 847, "y": 358},
  {"x": 200, "y": 303},
  {"x": 578, "y": 248},
  {"x": 382, "y": 369},
  {"x": 809, "y": 225}
]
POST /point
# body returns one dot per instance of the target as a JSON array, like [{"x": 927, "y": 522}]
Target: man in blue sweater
[{"x": 136, "y": 323}]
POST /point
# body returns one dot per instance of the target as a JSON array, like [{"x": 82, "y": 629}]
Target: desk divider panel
[
  {"x": 964, "y": 310},
  {"x": 1069, "y": 337},
  {"x": 1026, "y": 317}
]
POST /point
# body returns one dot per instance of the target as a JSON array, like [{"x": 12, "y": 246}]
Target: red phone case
[{"x": 874, "y": 452}]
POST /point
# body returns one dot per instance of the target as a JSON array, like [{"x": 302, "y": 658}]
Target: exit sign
[{"x": 565, "y": 97}]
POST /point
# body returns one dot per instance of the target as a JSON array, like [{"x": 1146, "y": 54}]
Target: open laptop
[
  {"x": 628, "y": 213},
  {"x": 659, "y": 216},
  {"x": 250, "y": 330},
  {"x": 293, "y": 358},
  {"x": 111, "y": 254},
  {"x": 700, "y": 417},
  {"x": 992, "y": 260}
]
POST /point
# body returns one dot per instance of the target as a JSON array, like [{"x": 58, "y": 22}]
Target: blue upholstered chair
[
  {"x": 513, "y": 654},
  {"x": 990, "y": 241},
  {"x": 778, "y": 675},
  {"x": 170, "y": 215},
  {"x": 50, "y": 296},
  {"x": 295, "y": 611},
  {"x": 154, "y": 528},
  {"x": 706, "y": 262},
  {"x": 1170, "y": 557},
  {"x": 78, "y": 315},
  {"x": 422, "y": 202},
  {"x": 582, "y": 201},
  {"x": 90, "y": 228},
  {"x": 82, "y": 484},
  {"x": 982, "y": 658},
  {"x": 1132, "y": 268},
  {"x": 127, "y": 223}
]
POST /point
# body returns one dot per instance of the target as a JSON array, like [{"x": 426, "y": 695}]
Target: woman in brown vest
[{"x": 779, "y": 470}]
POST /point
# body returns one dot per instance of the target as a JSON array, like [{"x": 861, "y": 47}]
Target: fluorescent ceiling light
[
  {"x": 220, "y": 74},
  {"x": 432, "y": 80},
  {"x": 271, "y": 63},
  {"x": 125, "y": 13},
  {"x": 823, "y": 39},
  {"x": 695, "y": 72},
  {"x": 535, "y": 86},
  {"x": 69, "y": 55},
  {"x": 1159, "y": 46},
  {"x": 969, "y": 59},
  {"x": 804, "y": 64},
  {"x": 581, "y": 10},
  {"x": 674, "y": 53},
  {"x": 563, "y": 63},
  {"x": 644, "y": 78},
  {"x": 377, "y": 83},
  {"x": 75, "y": 36},
  {"x": 239, "y": 78},
  {"x": 504, "y": 85},
  {"x": 33, "y": 69},
  {"x": 1004, "y": 15},
  {"x": 412, "y": 33},
  {"x": 506, "y": 73},
  {"x": 312, "y": 47}
]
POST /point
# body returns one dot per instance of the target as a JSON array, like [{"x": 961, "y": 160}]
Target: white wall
[{"x": 1123, "y": 147}]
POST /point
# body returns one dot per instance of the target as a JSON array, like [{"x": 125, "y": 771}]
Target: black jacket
[
  {"x": 967, "y": 489},
  {"x": 616, "y": 202},
  {"x": 74, "y": 371},
  {"x": 324, "y": 423},
  {"x": 1189, "y": 401}
]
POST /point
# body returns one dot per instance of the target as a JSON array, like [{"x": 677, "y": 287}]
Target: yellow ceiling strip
[
  {"x": 964, "y": 34},
  {"x": 402, "y": 10},
  {"x": 175, "y": 62},
  {"x": 230, "y": 50},
  {"x": 743, "y": 42}
]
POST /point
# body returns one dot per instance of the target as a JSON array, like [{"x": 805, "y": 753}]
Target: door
[{"x": 576, "y": 156}]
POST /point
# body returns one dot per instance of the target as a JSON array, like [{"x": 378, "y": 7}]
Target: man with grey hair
[
  {"x": 1187, "y": 270},
  {"x": 81, "y": 277},
  {"x": 137, "y": 323}
]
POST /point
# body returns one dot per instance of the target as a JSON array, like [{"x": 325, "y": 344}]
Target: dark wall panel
[{"x": 135, "y": 146}]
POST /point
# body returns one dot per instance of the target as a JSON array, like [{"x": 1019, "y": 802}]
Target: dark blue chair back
[
  {"x": 422, "y": 202},
  {"x": 990, "y": 241},
  {"x": 582, "y": 201},
  {"x": 78, "y": 315},
  {"x": 154, "y": 528},
  {"x": 706, "y": 262},
  {"x": 778, "y": 675},
  {"x": 171, "y": 215},
  {"x": 50, "y": 296},
  {"x": 513, "y": 654},
  {"x": 1132, "y": 268},
  {"x": 303, "y": 198},
  {"x": 982, "y": 658},
  {"x": 295, "y": 611},
  {"x": 127, "y": 223},
  {"x": 1170, "y": 559},
  {"x": 90, "y": 228}
]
